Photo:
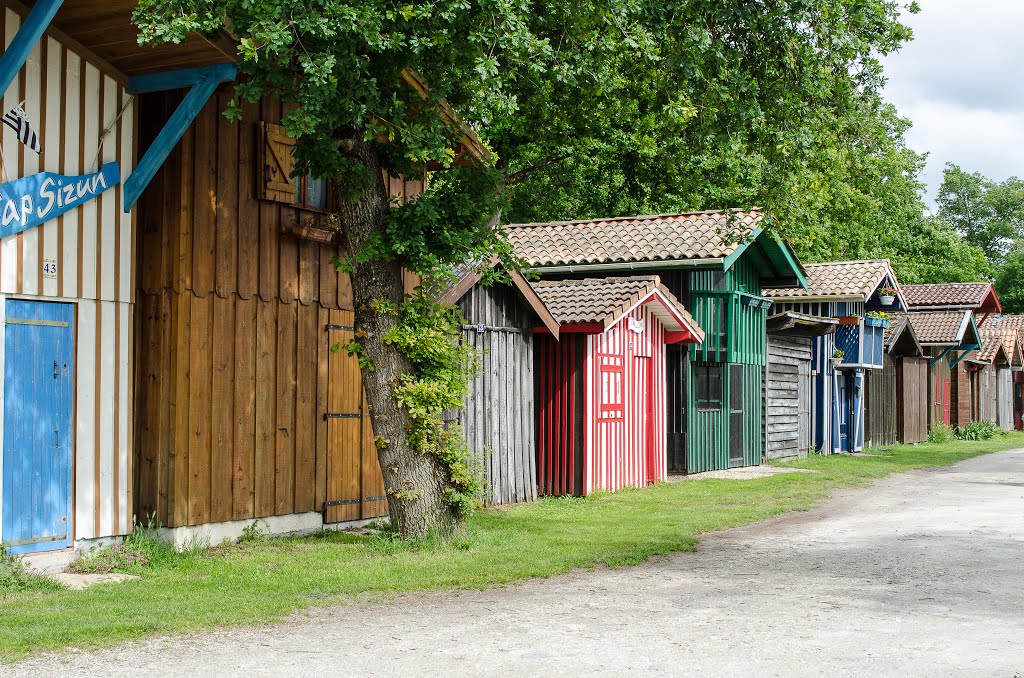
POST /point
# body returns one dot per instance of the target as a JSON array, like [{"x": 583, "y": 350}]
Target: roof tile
[
  {"x": 697, "y": 235},
  {"x": 966, "y": 295},
  {"x": 603, "y": 300},
  {"x": 937, "y": 327},
  {"x": 839, "y": 279}
]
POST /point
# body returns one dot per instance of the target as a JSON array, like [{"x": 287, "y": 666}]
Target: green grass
[{"x": 263, "y": 579}]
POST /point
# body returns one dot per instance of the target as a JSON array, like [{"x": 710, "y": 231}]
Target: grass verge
[{"x": 262, "y": 579}]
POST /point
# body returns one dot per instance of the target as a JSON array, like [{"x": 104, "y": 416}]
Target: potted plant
[
  {"x": 887, "y": 295},
  {"x": 837, "y": 358},
  {"x": 877, "y": 319}
]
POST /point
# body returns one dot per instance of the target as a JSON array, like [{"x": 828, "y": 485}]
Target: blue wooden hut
[{"x": 852, "y": 292}]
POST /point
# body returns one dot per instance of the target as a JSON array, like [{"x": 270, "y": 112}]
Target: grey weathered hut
[
  {"x": 787, "y": 382},
  {"x": 499, "y": 411}
]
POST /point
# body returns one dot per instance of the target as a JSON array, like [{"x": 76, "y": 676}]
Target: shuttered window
[{"x": 278, "y": 185}]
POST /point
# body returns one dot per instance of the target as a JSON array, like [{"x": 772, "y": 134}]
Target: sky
[{"x": 961, "y": 82}]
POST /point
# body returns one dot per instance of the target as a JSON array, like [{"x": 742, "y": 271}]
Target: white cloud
[{"x": 959, "y": 82}]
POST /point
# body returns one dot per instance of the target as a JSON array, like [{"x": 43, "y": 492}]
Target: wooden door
[
  {"x": 804, "y": 407},
  {"x": 735, "y": 416},
  {"x": 38, "y": 441},
  {"x": 676, "y": 367}
]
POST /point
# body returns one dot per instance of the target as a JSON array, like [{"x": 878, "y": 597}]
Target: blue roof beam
[
  {"x": 203, "y": 82},
  {"x": 32, "y": 28}
]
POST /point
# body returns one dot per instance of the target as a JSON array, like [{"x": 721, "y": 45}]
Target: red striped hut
[{"x": 601, "y": 388}]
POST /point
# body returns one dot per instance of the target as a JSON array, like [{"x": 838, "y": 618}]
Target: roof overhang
[
  {"x": 664, "y": 310},
  {"x": 792, "y": 324},
  {"x": 454, "y": 293},
  {"x": 903, "y": 341}
]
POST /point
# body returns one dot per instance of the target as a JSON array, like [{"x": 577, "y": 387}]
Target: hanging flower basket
[
  {"x": 836, "y": 362},
  {"x": 887, "y": 299}
]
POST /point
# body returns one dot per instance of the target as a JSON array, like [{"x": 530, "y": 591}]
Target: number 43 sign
[{"x": 49, "y": 269}]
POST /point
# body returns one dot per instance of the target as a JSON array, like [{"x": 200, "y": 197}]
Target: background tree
[
  {"x": 989, "y": 214},
  {"x": 658, "y": 103}
]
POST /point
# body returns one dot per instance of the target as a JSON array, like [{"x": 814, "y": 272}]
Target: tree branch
[{"x": 523, "y": 173}]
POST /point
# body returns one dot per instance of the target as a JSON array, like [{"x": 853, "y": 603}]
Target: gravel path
[{"x": 921, "y": 575}]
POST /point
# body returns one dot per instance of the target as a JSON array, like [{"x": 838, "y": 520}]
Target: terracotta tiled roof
[
  {"x": 938, "y": 327},
  {"x": 1007, "y": 337},
  {"x": 840, "y": 279},
  {"x": 605, "y": 300},
  {"x": 991, "y": 344},
  {"x": 1007, "y": 322},
  {"x": 952, "y": 295},
  {"x": 698, "y": 235}
]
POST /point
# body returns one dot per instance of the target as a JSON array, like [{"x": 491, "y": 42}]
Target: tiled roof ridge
[
  {"x": 849, "y": 262},
  {"x": 753, "y": 211},
  {"x": 598, "y": 281}
]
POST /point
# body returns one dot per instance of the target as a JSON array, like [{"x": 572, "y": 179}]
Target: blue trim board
[
  {"x": 936, "y": 359},
  {"x": 966, "y": 348},
  {"x": 32, "y": 28},
  {"x": 203, "y": 81}
]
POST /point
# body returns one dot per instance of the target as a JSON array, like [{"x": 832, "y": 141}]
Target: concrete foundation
[{"x": 213, "y": 534}]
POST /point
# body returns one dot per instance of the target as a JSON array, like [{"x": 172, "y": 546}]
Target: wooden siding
[
  {"x": 625, "y": 405},
  {"x": 987, "y": 394},
  {"x": 498, "y": 414},
  {"x": 83, "y": 118},
  {"x": 734, "y": 330},
  {"x": 787, "y": 397},
  {"x": 559, "y": 383},
  {"x": 734, "y": 431},
  {"x": 243, "y": 409},
  {"x": 912, "y": 399},
  {"x": 1004, "y": 398},
  {"x": 880, "y": 411},
  {"x": 960, "y": 403}
]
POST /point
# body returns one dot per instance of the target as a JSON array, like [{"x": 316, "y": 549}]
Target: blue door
[{"x": 39, "y": 345}]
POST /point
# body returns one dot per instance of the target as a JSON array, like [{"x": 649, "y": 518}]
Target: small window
[
  {"x": 311, "y": 193},
  {"x": 708, "y": 381}
]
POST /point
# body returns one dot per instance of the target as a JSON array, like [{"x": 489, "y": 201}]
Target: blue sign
[{"x": 28, "y": 202}]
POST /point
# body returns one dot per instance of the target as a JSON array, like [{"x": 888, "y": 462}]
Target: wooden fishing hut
[
  {"x": 716, "y": 263},
  {"x": 979, "y": 300},
  {"x": 499, "y": 414},
  {"x": 601, "y": 386},
  {"x": 846, "y": 291}
]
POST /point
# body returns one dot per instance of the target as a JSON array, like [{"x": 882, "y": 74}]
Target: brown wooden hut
[{"x": 897, "y": 395}]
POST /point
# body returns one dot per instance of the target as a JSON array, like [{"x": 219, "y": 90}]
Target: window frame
[{"x": 702, "y": 381}]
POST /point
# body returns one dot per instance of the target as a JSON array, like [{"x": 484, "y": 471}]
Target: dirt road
[{"x": 920, "y": 575}]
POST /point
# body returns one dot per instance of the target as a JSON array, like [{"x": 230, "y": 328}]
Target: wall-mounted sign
[{"x": 28, "y": 202}]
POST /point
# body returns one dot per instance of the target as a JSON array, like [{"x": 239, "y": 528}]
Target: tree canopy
[{"x": 591, "y": 108}]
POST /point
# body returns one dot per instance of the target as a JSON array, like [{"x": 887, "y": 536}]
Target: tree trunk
[{"x": 414, "y": 482}]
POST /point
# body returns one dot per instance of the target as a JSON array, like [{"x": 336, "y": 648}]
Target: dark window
[
  {"x": 311, "y": 193},
  {"x": 708, "y": 384}
]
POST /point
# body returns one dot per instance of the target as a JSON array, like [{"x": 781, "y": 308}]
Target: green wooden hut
[{"x": 717, "y": 263}]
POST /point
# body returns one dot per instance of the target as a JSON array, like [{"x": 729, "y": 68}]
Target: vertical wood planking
[
  {"x": 285, "y": 433},
  {"x": 266, "y": 380},
  {"x": 204, "y": 236},
  {"x": 248, "y": 234},
  {"x": 246, "y": 387},
  {"x": 226, "y": 205},
  {"x": 305, "y": 426},
  {"x": 200, "y": 412},
  {"x": 222, "y": 421}
]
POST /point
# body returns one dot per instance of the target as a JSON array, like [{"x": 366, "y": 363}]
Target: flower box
[
  {"x": 849, "y": 319},
  {"x": 876, "y": 322}
]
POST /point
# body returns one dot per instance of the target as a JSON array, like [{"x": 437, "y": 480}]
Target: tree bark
[{"x": 414, "y": 482}]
